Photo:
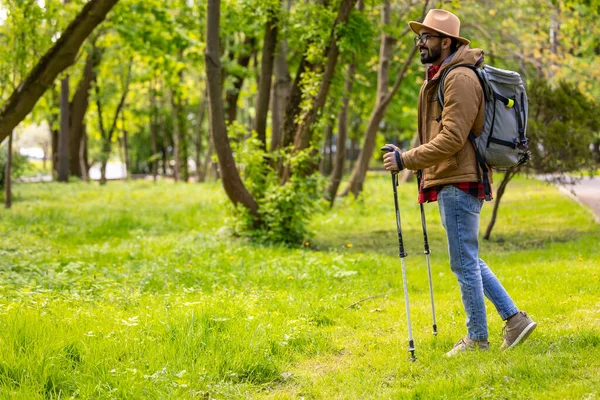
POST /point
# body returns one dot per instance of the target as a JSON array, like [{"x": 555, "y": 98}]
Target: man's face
[{"x": 430, "y": 49}]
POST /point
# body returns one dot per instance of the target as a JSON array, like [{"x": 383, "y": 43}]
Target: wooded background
[{"x": 280, "y": 100}]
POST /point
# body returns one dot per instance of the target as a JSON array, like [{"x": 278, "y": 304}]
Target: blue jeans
[{"x": 460, "y": 216}]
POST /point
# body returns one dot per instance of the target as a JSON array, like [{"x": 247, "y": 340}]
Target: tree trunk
[
  {"x": 107, "y": 135},
  {"x": 232, "y": 183},
  {"x": 153, "y": 128},
  {"x": 353, "y": 152},
  {"x": 340, "y": 154},
  {"x": 7, "y": 174},
  {"x": 83, "y": 165},
  {"x": 184, "y": 143},
  {"x": 176, "y": 135},
  {"x": 54, "y": 134},
  {"x": 54, "y": 121},
  {"x": 386, "y": 51},
  {"x": 58, "y": 58},
  {"x": 64, "y": 139},
  {"x": 206, "y": 165},
  {"x": 125, "y": 148},
  {"x": 78, "y": 109},
  {"x": 281, "y": 94},
  {"x": 303, "y": 136},
  {"x": 508, "y": 175},
  {"x": 325, "y": 166},
  {"x": 266, "y": 73},
  {"x": 360, "y": 169},
  {"x": 103, "y": 164},
  {"x": 383, "y": 99},
  {"x": 233, "y": 94},
  {"x": 198, "y": 154}
]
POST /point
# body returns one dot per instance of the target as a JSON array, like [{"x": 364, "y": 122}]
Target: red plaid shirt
[
  {"x": 475, "y": 189},
  {"x": 431, "y": 194}
]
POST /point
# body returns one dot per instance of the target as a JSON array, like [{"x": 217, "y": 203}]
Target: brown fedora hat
[{"x": 441, "y": 21}]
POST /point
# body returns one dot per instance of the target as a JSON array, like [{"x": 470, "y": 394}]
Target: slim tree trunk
[
  {"x": 107, "y": 135},
  {"x": 325, "y": 166},
  {"x": 360, "y": 169},
  {"x": 281, "y": 94},
  {"x": 303, "y": 136},
  {"x": 54, "y": 134},
  {"x": 340, "y": 154},
  {"x": 125, "y": 147},
  {"x": 78, "y": 108},
  {"x": 234, "y": 187},
  {"x": 61, "y": 55},
  {"x": 201, "y": 112},
  {"x": 383, "y": 100},
  {"x": 386, "y": 51},
  {"x": 53, "y": 122},
  {"x": 353, "y": 151},
  {"x": 82, "y": 156},
  {"x": 64, "y": 139},
  {"x": 184, "y": 145},
  {"x": 106, "y": 148},
  {"x": 233, "y": 94},
  {"x": 176, "y": 136},
  {"x": 7, "y": 174},
  {"x": 508, "y": 175},
  {"x": 266, "y": 73},
  {"x": 206, "y": 165},
  {"x": 292, "y": 108},
  {"x": 153, "y": 127}
]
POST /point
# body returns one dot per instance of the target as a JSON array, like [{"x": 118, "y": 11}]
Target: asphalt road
[{"x": 587, "y": 192}]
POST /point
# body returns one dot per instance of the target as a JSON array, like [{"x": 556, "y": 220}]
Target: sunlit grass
[{"x": 136, "y": 290}]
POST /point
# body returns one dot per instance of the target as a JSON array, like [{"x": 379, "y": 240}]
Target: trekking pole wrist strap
[{"x": 398, "y": 160}]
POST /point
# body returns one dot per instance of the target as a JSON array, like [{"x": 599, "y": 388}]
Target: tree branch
[{"x": 57, "y": 59}]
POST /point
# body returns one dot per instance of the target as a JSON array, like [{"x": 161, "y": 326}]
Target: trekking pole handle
[{"x": 390, "y": 149}]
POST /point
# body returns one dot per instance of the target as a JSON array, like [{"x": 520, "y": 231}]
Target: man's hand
[{"x": 392, "y": 161}]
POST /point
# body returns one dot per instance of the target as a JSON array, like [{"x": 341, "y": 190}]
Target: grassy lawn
[{"x": 137, "y": 291}]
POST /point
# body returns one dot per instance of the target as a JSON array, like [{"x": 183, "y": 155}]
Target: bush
[
  {"x": 285, "y": 210},
  {"x": 563, "y": 125},
  {"x": 20, "y": 165}
]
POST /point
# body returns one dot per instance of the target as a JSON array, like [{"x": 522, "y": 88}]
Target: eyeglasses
[{"x": 425, "y": 37}]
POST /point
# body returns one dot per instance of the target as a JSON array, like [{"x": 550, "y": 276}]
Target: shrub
[
  {"x": 20, "y": 165},
  {"x": 285, "y": 209}
]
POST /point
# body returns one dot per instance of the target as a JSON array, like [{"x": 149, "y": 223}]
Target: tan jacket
[{"x": 446, "y": 155}]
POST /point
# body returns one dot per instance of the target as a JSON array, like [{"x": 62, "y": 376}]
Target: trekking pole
[
  {"x": 403, "y": 254},
  {"x": 427, "y": 253}
]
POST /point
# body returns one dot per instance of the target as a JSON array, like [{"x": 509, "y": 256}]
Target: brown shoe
[
  {"x": 517, "y": 329},
  {"x": 466, "y": 344}
]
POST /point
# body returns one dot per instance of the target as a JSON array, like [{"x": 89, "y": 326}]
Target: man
[{"x": 451, "y": 175}]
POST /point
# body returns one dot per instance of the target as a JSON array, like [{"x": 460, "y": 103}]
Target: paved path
[{"x": 587, "y": 192}]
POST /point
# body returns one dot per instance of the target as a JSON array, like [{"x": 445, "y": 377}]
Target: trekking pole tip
[{"x": 413, "y": 358}]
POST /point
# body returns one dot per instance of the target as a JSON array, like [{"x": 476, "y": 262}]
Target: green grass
[{"x": 137, "y": 291}]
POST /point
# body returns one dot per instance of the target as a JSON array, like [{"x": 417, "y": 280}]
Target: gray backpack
[{"x": 502, "y": 143}]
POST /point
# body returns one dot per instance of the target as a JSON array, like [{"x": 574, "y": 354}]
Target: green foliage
[
  {"x": 285, "y": 210},
  {"x": 356, "y": 36},
  {"x": 562, "y": 124},
  {"x": 19, "y": 167}
]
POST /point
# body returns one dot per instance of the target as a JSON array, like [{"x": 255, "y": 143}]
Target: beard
[{"x": 431, "y": 54}]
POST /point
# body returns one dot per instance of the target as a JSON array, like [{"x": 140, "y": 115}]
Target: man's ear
[{"x": 446, "y": 43}]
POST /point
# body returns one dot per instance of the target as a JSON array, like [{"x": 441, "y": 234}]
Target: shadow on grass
[{"x": 386, "y": 240}]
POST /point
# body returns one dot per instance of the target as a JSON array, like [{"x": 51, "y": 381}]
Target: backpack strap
[
  {"x": 487, "y": 188},
  {"x": 440, "y": 94}
]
